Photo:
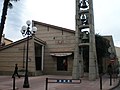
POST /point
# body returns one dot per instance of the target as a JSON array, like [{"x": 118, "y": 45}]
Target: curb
[{"x": 115, "y": 85}]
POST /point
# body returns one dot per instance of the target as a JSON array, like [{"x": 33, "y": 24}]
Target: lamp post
[{"x": 27, "y": 32}]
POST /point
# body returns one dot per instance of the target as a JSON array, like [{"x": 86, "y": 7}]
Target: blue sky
[{"x": 62, "y": 13}]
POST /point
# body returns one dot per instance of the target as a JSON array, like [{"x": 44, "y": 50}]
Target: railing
[{"x": 65, "y": 81}]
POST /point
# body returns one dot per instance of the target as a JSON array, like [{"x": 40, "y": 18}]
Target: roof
[
  {"x": 107, "y": 36},
  {"x": 20, "y": 41},
  {"x": 53, "y": 26},
  {"x": 39, "y": 40},
  {"x": 8, "y": 40}
]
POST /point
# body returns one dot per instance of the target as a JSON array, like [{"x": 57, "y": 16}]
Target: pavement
[{"x": 39, "y": 83}]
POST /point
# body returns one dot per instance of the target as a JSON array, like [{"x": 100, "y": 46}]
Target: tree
[
  {"x": 102, "y": 45},
  {"x": 7, "y": 4}
]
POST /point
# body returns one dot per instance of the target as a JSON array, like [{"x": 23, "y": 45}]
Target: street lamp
[{"x": 27, "y": 32}]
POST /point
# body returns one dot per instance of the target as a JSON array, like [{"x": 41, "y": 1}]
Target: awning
[{"x": 60, "y": 54}]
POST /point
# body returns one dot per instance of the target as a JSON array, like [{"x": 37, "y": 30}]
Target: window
[{"x": 62, "y": 64}]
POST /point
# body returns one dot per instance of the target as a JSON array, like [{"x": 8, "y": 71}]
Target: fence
[{"x": 65, "y": 81}]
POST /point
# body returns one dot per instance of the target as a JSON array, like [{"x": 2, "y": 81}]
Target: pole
[
  {"x": 110, "y": 79},
  {"x": 26, "y": 82},
  {"x": 46, "y": 84},
  {"x": 100, "y": 81},
  {"x": 13, "y": 82}
]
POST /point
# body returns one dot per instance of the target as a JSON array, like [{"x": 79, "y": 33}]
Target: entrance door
[
  {"x": 38, "y": 63},
  {"x": 62, "y": 64},
  {"x": 86, "y": 58},
  {"x": 38, "y": 56}
]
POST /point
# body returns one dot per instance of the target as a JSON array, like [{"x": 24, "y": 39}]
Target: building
[
  {"x": 5, "y": 41},
  {"x": 15, "y": 53},
  {"x": 51, "y": 51},
  {"x": 59, "y": 48}
]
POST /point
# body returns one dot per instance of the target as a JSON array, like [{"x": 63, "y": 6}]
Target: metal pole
[
  {"x": 26, "y": 82},
  {"x": 46, "y": 84},
  {"x": 13, "y": 82},
  {"x": 110, "y": 79},
  {"x": 100, "y": 82}
]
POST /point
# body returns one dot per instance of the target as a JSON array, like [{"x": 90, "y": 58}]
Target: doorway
[
  {"x": 86, "y": 58},
  {"x": 38, "y": 56},
  {"x": 62, "y": 64}
]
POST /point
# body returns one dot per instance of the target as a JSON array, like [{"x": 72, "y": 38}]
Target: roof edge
[
  {"x": 53, "y": 26},
  {"x": 20, "y": 41},
  {"x": 14, "y": 43}
]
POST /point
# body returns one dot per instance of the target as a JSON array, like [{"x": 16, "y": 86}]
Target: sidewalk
[{"x": 38, "y": 83}]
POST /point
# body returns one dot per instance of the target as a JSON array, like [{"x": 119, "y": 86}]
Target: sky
[{"x": 61, "y": 13}]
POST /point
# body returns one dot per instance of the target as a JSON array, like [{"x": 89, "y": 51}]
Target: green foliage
[{"x": 102, "y": 45}]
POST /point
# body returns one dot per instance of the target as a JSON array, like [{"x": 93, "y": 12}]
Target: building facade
[
  {"x": 51, "y": 51},
  {"x": 15, "y": 53},
  {"x": 5, "y": 41},
  {"x": 59, "y": 49}
]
